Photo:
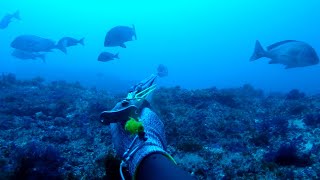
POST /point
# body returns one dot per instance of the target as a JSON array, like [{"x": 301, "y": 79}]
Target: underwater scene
[{"x": 159, "y": 89}]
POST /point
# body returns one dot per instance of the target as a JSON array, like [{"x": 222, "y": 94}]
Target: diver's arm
[
  {"x": 138, "y": 136},
  {"x": 157, "y": 166}
]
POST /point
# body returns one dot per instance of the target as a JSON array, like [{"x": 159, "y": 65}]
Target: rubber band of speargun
[{"x": 145, "y": 92}]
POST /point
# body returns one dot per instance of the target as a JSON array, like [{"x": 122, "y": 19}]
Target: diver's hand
[{"x": 154, "y": 132}]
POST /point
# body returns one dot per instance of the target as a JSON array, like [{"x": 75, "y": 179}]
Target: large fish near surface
[
  {"x": 118, "y": 35},
  {"x": 33, "y": 43},
  {"x": 65, "y": 42},
  {"x": 25, "y": 55},
  {"x": 7, "y": 19},
  {"x": 290, "y": 53}
]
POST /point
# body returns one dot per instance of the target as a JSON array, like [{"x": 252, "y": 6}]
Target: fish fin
[
  {"x": 43, "y": 57},
  {"x": 279, "y": 44},
  {"x": 134, "y": 32},
  {"x": 123, "y": 45},
  {"x": 273, "y": 61},
  {"x": 259, "y": 52},
  {"x": 81, "y": 41},
  {"x": 17, "y": 15},
  {"x": 62, "y": 48},
  {"x": 116, "y": 56},
  {"x": 289, "y": 66}
]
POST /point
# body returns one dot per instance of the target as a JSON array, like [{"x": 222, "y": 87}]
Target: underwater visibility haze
[{"x": 203, "y": 43}]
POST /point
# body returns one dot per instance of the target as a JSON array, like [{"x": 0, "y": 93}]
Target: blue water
[{"x": 203, "y": 43}]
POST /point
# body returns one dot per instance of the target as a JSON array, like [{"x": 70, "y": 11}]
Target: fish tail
[
  {"x": 17, "y": 15},
  {"x": 134, "y": 32},
  {"x": 259, "y": 52},
  {"x": 116, "y": 56},
  {"x": 81, "y": 41}
]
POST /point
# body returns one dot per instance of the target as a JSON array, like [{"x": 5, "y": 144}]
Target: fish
[
  {"x": 291, "y": 53},
  {"x": 7, "y": 19},
  {"x": 118, "y": 35},
  {"x": 33, "y": 43},
  {"x": 100, "y": 74},
  {"x": 65, "y": 42},
  {"x": 162, "y": 70},
  {"x": 28, "y": 55},
  {"x": 106, "y": 56}
]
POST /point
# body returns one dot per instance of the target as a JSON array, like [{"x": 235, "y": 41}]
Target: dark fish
[
  {"x": 162, "y": 70},
  {"x": 7, "y": 19},
  {"x": 27, "y": 55},
  {"x": 100, "y": 74},
  {"x": 67, "y": 42},
  {"x": 33, "y": 43},
  {"x": 106, "y": 56},
  {"x": 289, "y": 52},
  {"x": 118, "y": 35}
]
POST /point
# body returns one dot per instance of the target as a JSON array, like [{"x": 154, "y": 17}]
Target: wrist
[{"x": 140, "y": 155}]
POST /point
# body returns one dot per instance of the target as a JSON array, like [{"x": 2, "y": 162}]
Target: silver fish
[
  {"x": 7, "y": 19},
  {"x": 118, "y": 35},
  {"x": 25, "y": 55},
  {"x": 33, "y": 43},
  {"x": 162, "y": 70},
  {"x": 65, "y": 42},
  {"x": 106, "y": 56},
  {"x": 290, "y": 53}
]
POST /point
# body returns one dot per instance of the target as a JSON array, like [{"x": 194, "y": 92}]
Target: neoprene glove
[{"x": 154, "y": 132}]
